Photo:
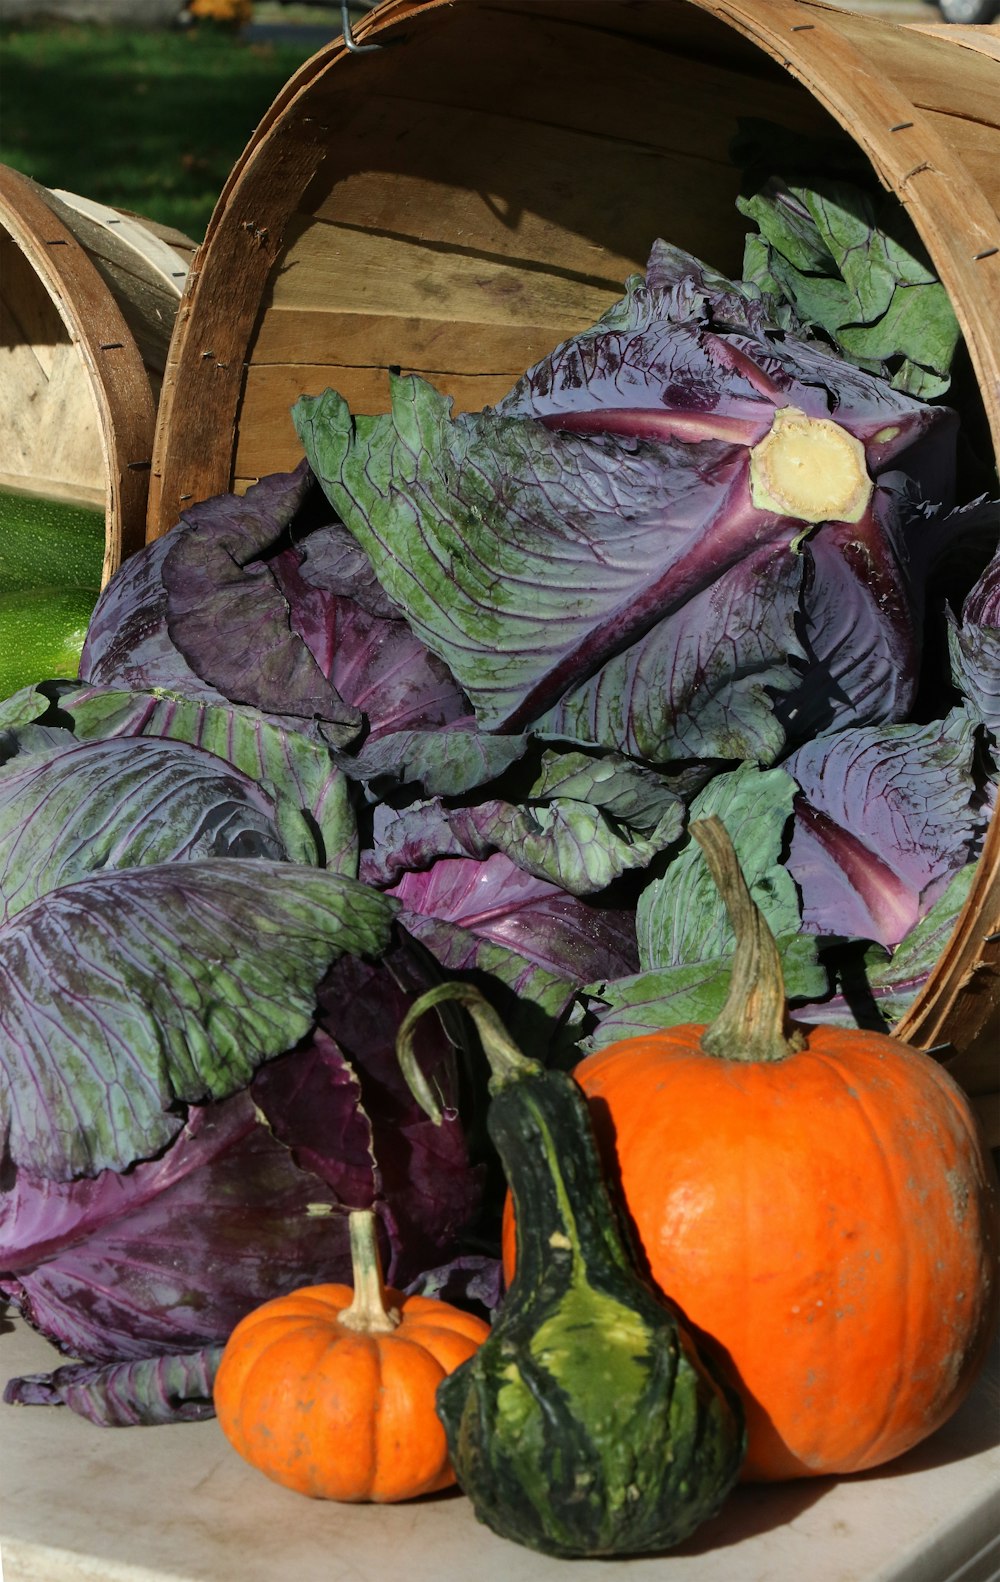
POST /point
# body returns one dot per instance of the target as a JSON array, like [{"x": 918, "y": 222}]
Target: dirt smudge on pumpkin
[{"x": 958, "y": 1186}]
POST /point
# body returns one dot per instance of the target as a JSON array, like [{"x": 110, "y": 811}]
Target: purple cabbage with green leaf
[
  {"x": 196, "y": 1051},
  {"x": 721, "y": 528}
]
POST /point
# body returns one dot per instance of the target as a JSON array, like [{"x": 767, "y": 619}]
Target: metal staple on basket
[{"x": 350, "y": 43}]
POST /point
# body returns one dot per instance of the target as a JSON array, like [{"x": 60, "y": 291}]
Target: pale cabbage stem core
[{"x": 810, "y": 468}]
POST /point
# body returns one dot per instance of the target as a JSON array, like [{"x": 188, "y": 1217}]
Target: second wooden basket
[{"x": 88, "y": 298}]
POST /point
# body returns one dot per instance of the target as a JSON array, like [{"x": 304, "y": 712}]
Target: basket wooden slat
[
  {"x": 465, "y": 196},
  {"x": 37, "y": 354},
  {"x": 986, "y": 40},
  {"x": 144, "y": 265}
]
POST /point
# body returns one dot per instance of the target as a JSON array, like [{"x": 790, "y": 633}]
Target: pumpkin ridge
[
  {"x": 389, "y": 1422},
  {"x": 255, "y": 1382},
  {"x": 404, "y": 1337},
  {"x": 867, "y": 1454},
  {"x": 947, "y": 1085},
  {"x": 373, "y": 1418},
  {"x": 306, "y": 1303},
  {"x": 429, "y": 1337},
  {"x": 424, "y": 1311}
]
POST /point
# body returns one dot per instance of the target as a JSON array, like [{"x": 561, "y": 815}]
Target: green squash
[{"x": 586, "y": 1424}]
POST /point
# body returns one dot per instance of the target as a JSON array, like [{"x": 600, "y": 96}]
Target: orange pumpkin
[
  {"x": 824, "y": 1211},
  {"x": 331, "y": 1391}
]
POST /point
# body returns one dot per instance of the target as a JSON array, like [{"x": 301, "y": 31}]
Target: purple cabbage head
[
  {"x": 685, "y": 533},
  {"x": 197, "y": 1070},
  {"x": 141, "y": 1268},
  {"x": 975, "y": 648},
  {"x": 264, "y": 600},
  {"x": 884, "y": 819}
]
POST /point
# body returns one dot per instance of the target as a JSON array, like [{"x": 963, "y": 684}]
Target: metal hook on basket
[{"x": 349, "y": 39}]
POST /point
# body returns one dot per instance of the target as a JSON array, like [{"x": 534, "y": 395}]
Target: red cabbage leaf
[
  {"x": 173, "y": 1388},
  {"x": 128, "y": 994},
  {"x": 885, "y": 817},
  {"x": 616, "y": 483},
  {"x": 874, "y": 987},
  {"x": 124, "y": 804},
  {"x": 685, "y": 938},
  {"x": 975, "y": 648},
  {"x": 557, "y": 833},
  {"x": 294, "y": 765}
]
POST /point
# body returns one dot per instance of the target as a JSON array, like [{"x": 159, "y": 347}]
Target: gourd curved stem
[
  {"x": 505, "y": 1059},
  {"x": 369, "y": 1311},
  {"x": 560, "y": 1197},
  {"x": 753, "y": 1023}
]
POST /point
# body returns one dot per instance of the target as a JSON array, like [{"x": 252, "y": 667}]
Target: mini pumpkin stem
[
  {"x": 753, "y": 1023},
  {"x": 368, "y": 1312}
]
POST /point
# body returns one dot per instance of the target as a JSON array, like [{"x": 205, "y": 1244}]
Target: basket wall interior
[
  {"x": 476, "y": 205},
  {"x": 481, "y": 183},
  {"x": 48, "y": 416}
]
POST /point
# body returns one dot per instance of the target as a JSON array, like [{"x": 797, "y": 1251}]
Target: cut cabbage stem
[{"x": 810, "y": 468}]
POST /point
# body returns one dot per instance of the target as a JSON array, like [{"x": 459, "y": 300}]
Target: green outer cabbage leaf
[{"x": 129, "y": 994}]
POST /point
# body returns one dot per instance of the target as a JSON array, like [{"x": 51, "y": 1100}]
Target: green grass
[
  {"x": 149, "y": 121},
  {"x": 50, "y": 576},
  {"x": 311, "y": 15}
]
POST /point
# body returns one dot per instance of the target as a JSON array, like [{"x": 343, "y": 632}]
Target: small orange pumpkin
[
  {"x": 818, "y": 1203},
  {"x": 331, "y": 1391}
]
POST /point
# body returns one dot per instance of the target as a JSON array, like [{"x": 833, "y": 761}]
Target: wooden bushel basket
[
  {"x": 88, "y": 298},
  {"x": 460, "y": 198}
]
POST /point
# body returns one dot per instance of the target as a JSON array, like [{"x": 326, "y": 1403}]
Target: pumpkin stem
[
  {"x": 368, "y": 1311},
  {"x": 753, "y": 1023},
  {"x": 506, "y": 1060}
]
